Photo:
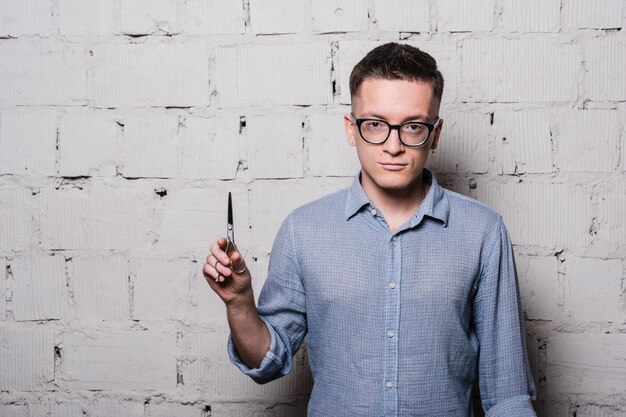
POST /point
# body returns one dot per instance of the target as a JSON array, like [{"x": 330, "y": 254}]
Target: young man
[{"x": 408, "y": 292}]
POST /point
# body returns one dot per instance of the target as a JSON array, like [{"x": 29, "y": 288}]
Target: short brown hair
[{"x": 394, "y": 61}]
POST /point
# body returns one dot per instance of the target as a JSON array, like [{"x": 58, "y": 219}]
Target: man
[{"x": 408, "y": 292}]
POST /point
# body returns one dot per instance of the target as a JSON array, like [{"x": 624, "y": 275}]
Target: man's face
[{"x": 392, "y": 167}]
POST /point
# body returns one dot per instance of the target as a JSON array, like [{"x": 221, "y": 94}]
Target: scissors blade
[{"x": 230, "y": 230}]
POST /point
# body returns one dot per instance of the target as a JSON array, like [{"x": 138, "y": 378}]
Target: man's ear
[
  {"x": 436, "y": 134},
  {"x": 350, "y": 129}
]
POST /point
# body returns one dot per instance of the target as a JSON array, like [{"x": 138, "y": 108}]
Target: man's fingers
[
  {"x": 238, "y": 264},
  {"x": 217, "y": 250}
]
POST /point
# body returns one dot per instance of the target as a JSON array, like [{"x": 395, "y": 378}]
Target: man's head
[
  {"x": 393, "y": 61},
  {"x": 396, "y": 95}
]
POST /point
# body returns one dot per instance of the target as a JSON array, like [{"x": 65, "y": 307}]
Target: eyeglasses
[{"x": 412, "y": 134}]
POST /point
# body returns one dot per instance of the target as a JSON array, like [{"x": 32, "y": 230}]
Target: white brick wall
[
  {"x": 123, "y": 125},
  {"x": 531, "y": 15},
  {"x": 142, "y": 360},
  {"x": 88, "y": 144},
  {"x": 476, "y": 16},
  {"x": 100, "y": 287},
  {"x": 26, "y": 359},
  {"x": 40, "y": 289},
  {"x": 27, "y": 17}
]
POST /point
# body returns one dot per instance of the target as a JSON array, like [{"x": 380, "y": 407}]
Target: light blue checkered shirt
[{"x": 398, "y": 324}]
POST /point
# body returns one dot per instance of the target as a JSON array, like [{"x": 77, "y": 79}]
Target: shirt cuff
[
  {"x": 519, "y": 406},
  {"x": 271, "y": 364}
]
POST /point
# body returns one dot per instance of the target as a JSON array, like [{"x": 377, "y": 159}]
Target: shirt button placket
[{"x": 392, "y": 322}]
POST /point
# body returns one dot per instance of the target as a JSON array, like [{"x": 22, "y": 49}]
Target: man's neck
[{"x": 397, "y": 206}]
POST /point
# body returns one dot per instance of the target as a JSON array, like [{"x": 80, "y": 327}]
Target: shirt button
[
  {"x": 392, "y": 285},
  {"x": 373, "y": 211},
  {"x": 394, "y": 238},
  {"x": 389, "y": 333},
  {"x": 389, "y": 384}
]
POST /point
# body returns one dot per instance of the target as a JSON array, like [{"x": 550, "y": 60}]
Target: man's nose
[{"x": 393, "y": 145}]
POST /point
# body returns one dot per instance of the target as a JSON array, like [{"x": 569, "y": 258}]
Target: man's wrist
[{"x": 242, "y": 302}]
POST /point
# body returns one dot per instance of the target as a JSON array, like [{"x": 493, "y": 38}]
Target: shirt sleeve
[
  {"x": 282, "y": 307},
  {"x": 506, "y": 384}
]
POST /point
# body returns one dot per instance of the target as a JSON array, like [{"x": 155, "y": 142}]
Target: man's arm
[
  {"x": 248, "y": 332},
  {"x": 264, "y": 339},
  {"x": 506, "y": 385}
]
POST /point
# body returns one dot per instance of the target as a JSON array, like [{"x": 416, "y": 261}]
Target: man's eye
[
  {"x": 373, "y": 124},
  {"x": 414, "y": 127}
]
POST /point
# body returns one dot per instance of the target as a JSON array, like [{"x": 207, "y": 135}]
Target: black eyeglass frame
[{"x": 429, "y": 126}]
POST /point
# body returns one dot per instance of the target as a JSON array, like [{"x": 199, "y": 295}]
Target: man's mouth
[{"x": 392, "y": 166}]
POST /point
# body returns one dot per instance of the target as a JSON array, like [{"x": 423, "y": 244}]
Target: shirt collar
[{"x": 435, "y": 204}]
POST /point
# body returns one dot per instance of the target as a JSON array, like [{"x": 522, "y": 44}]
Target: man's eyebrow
[{"x": 418, "y": 117}]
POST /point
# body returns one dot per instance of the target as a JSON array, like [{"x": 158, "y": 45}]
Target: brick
[
  {"x": 531, "y": 15},
  {"x": 12, "y": 410},
  {"x": 610, "y": 223},
  {"x": 100, "y": 217},
  {"x": 533, "y": 219},
  {"x": 351, "y": 52},
  {"x": 150, "y": 146},
  {"x": 193, "y": 219},
  {"x": 205, "y": 305},
  {"x": 275, "y": 80},
  {"x": 142, "y": 360},
  {"x": 26, "y": 359},
  {"x": 583, "y": 14},
  {"x": 42, "y": 74},
  {"x": 209, "y": 17},
  {"x": 329, "y": 152},
  {"x": 588, "y": 140},
  {"x": 538, "y": 277},
  {"x": 118, "y": 408},
  {"x": 276, "y": 147},
  {"x": 523, "y": 142},
  {"x": 40, "y": 291},
  {"x": 205, "y": 359},
  {"x": 27, "y": 17},
  {"x": 623, "y": 157},
  {"x": 146, "y": 17},
  {"x": 53, "y": 409},
  {"x": 299, "y": 409},
  {"x": 339, "y": 16},
  {"x": 586, "y": 364},
  {"x": 463, "y": 145},
  {"x": 605, "y": 61},
  {"x": 27, "y": 144},
  {"x": 17, "y": 225},
  {"x": 161, "y": 289},
  {"x": 101, "y": 290},
  {"x": 140, "y": 75},
  {"x": 89, "y": 17},
  {"x": 88, "y": 144},
  {"x": 170, "y": 410},
  {"x": 594, "y": 410},
  {"x": 465, "y": 17},
  {"x": 212, "y": 148},
  {"x": 277, "y": 16},
  {"x": 513, "y": 70},
  {"x": 4, "y": 276},
  {"x": 402, "y": 15},
  {"x": 271, "y": 202},
  {"x": 593, "y": 293}
]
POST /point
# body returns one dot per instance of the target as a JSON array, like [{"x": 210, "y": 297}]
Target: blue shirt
[{"x": 399, "y": 324}]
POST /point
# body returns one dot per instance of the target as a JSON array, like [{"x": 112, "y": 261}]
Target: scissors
[{"x": 230, "y": 233}]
